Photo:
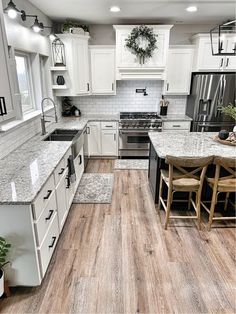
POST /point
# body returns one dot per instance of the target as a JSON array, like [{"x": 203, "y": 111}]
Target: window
[{"x": 25, "y": 82}]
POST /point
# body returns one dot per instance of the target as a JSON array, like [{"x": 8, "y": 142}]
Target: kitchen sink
[{"x": 62, "y": 135}]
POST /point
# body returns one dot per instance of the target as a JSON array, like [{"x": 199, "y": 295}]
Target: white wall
[
  {"x": 21, "y": 37},
  {"x": 127, "y": 99},
  {"x": 179, "y": 34}
]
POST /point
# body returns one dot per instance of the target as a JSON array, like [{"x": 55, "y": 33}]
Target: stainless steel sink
[
  {"x": 74, "y": 136},
  {"x": 62, "y": 135}
]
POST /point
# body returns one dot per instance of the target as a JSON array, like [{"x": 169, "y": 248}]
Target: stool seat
[
  {"x": 229, "y": 184},
  {"x": 181, "y": 184}
]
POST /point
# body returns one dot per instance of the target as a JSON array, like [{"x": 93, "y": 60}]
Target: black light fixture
[
  {"x": 223, "y": 33},
  {"x": 58, "y": 51},
  {"x": 52, "y": 36},
  {"x": 37, "y": 26},
  {"x": 12, "y": 11}
]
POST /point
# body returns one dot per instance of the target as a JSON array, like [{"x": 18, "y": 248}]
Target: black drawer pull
[
  {"x": 109, "y": 126},
  {"x": 176, "y": 125},
  {"x": 62, "y": 170},
  {"x": 80, "y": 159},
  {"x": 67, "y": 182},
  {"x": 50, "y": 215},
  {"x": 53, "y": 242},
  {"x": 3, "y": 108},
  {"x": 47, "y": 196}
]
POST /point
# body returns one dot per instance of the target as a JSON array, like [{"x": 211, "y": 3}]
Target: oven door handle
[{"x": 134, "y": 132}]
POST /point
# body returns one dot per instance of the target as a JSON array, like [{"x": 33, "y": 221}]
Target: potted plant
[
  {"x": 229, "y": 110},
  {"x": 74, "y": 27},
  {"x": 4, "y": 249}
]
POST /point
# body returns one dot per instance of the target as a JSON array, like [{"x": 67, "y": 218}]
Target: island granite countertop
[{"x": 185, "y": 144}]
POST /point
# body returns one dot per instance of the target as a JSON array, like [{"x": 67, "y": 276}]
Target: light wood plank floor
[{"x": 117, "y": 258}]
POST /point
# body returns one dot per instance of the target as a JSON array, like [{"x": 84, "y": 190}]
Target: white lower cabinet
[
  {"x": 37, "y": 226},
  {"x": 94, "y": 138},
  {"x": 102, "y": 138}
]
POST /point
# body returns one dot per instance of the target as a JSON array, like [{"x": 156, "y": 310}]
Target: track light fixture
[{"x": 12, "y": 11}]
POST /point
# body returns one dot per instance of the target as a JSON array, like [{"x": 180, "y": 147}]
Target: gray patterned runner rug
[
  {"x": 95, "y": 188},
  {"x": 131, "y": 164}
]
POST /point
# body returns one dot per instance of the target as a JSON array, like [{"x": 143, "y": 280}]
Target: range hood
[{"x": 128, "y": 66}]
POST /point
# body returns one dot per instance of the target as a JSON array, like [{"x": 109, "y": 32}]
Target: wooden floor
[{"x": 117, "y": 258}]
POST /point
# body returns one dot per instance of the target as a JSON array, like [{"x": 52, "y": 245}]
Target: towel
[{"x": 71, "y": 169}]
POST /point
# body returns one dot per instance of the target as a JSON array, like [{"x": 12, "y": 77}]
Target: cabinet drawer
[
  {"x": 43, "y": 223},
  {"x": 48, "y": 246},
  {"x": 43, "y": 197},
  {"x": 176, "y": 125},
  {"x": 60, "y": 170},
  {"x": 109, "y": 125}
]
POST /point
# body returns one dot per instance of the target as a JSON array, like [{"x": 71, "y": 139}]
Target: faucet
[{"x": 43, "y": 121}]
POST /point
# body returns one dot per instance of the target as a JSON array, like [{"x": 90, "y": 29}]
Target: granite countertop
[
  {"x": 24, "y": 172},
  {"x": 185, "y": 144},
  {"x": 175, "y": 117}
]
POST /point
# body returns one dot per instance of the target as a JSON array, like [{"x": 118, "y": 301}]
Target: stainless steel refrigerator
[{"x": 208, "y": 92}]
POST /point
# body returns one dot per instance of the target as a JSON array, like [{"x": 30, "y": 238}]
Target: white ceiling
[{"x": 138, "y": 11}]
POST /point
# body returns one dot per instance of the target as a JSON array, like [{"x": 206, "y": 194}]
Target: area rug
[
  {"x": 131, "y": 164},
  {"x": 95, "y": 188}
]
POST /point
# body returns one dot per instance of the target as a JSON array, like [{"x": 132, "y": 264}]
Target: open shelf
[
  {"x": 58, "y": 69},
  {"x": 59, "y": 87}
]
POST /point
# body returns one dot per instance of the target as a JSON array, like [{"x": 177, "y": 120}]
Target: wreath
[{"x": 142, "y": 42}]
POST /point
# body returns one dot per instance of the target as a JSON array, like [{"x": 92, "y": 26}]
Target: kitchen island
[{"x": 181, "y": 144}]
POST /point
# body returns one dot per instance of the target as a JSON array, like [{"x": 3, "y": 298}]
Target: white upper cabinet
[
  {"x": 205, "y": 61},
  {"x": 77, "y": 79},
  {"x": 102, "y": 70},
  {"x": 7, "y": 110},
  {"x": 179, "y": 70},
  {"x": 128, "y": 65}
]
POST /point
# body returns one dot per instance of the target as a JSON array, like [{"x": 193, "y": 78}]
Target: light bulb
[
  {"x": 36, "y": 29},
  {"x": 52, "y": 37},
  {"x": 115, "y": 9},
  {"x": 191, "y": 9},
  {"x": 12, "y": 13}
]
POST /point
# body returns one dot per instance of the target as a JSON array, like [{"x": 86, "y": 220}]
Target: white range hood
[{"x": 127, "y": 64}]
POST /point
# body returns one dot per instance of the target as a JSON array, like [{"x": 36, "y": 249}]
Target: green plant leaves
[{"x": 4, "y": 249}]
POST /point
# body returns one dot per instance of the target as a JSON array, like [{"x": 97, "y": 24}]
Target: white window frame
[{"x": 29, "y": 79}]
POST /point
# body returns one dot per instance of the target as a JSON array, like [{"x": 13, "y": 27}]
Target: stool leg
[
  {"x": 189, "y": 200},
  {"x": 226, "y": 201},
  {"x": 169, "y": 200},
  {"x": 198, "y": 199},
  {"x": 212, "y": 209},
  {"x": 160, "y": 194}
]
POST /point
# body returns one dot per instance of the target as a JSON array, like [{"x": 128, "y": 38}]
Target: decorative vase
[
  {"x": 60, "y": 80},
  {"x": 1, "y": 282}
]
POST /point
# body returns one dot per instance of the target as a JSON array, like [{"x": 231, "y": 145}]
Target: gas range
[
  {"x": 140, "y": 121},
  {"x": 133, "y": 132}
]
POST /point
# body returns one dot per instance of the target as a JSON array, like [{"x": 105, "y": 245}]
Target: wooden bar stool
[
  {"x": 184, "y": 175},
  {"x": 221, "y": 184}
]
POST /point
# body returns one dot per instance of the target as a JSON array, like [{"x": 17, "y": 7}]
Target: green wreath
[{"x": 133, "y": 42}]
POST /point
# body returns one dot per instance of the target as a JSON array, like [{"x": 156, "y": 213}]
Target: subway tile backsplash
[{"x": 126, "y": 99}]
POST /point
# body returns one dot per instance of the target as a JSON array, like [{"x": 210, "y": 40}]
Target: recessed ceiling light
[
  {"x": 191, "y": 9},
  {"x": 114, "y": 9}
]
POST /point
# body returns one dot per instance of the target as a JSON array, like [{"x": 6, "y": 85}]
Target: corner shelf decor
[{"x": 142, "y": 42}]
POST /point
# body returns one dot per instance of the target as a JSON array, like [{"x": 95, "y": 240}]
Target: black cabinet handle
[
  {"x": 47, "y": 196},
  {"x": 50, "y": 215},
  {"x": 53, "y": 242},
  {"x": 62, "y": 170},
  {"x": 227, "y": 62},
  {"x": 176, "y": 125},
  {"x": 167, "y": 86},
  {"x": 88, "y": 87},
  {"x": 80, "y": 159},
  {"x": 3, "y": 108},
  {"x": 68, "y": 182},
  {"x": 88, "y": 130}
]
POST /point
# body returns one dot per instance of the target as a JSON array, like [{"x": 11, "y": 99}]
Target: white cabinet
[
  {"x": 178, "y": 125},
  {"x": 179, "y": 70},
  {"x": 109, "y": 138},
  {"x": 62, "y": 207},
  {"x": 7, "y": 110},
  {"x": 102, "y": 70},
  {"x": 127, "y": 64},
  {"x": 77, "y": 78},
  {"x": 205, "y": 61},
  {"x": 94, "y": 138},
  {"x": 102, "y": 138}
]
